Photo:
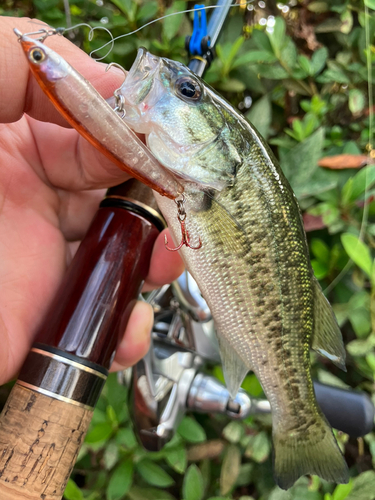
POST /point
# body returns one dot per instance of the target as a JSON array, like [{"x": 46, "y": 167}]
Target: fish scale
[{"x": 253, "y": 267}]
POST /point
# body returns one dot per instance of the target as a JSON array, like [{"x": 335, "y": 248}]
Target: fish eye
[
  {"x": 37, "y": 55},
  {"x": 188, "y": 88}
]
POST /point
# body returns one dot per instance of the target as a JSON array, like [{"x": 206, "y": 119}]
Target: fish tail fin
[{"x": 310, "y": 451}]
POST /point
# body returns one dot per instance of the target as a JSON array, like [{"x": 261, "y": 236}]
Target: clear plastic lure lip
[{"x": 84, "y": 108}]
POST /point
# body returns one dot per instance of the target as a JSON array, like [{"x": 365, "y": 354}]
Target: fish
[
  {"x": 85, "y": 110},
  {"x": 252, "y": 265}
]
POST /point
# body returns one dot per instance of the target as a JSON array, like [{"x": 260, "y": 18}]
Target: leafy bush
[{"x": 300, "y": 73}]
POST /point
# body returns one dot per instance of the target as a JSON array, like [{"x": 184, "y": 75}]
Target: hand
[{"x": 51, "y": 183}]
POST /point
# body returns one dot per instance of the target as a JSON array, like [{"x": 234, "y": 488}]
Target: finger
[
  {"x": 77, "y": 210},
  {"x": 67, "y": 161},
  {"x": 136, "y": 340},
  {"x": 165, "y": 266},
  {"x": 23, "y": 92}
]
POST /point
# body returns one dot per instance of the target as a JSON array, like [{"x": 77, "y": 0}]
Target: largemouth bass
[{"x": 253, "y": 268}]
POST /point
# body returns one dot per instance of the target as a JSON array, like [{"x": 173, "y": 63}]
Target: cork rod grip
[{"x": 40, "y": 438}]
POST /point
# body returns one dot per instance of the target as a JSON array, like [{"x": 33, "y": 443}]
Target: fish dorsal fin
[
  {"x": 234, "y": 368},
  {"x": 327, "y": 338}
]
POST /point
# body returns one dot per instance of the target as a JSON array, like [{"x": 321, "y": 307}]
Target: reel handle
[{"x": 349, "y": 411}]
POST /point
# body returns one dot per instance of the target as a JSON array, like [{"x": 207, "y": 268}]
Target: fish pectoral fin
[
  {"x": 234, "y": 368},
  {"x": 327, "y": 338}
]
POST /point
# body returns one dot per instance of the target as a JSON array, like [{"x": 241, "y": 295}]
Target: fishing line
[
  {"x": 370, "y": 146},
  {"x": 62, "y": 31},
  {"x": 111, "y": 42}
]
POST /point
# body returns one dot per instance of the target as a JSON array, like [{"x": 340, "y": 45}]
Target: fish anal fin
[
  {"x": 234, "y": 368},
  {"x": 327, "y": 338},
  {"x": 314, "y": 452}
]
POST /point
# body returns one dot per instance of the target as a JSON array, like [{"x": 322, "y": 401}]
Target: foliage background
[{"x": 298, "y": 70}]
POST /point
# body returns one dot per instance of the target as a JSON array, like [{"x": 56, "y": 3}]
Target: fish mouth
[
  {"x": 139, "y": 80},
  {"x": 144, "y": 64}
]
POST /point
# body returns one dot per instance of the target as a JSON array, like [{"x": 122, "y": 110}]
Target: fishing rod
[
  {"x": 200, "y": 46},
  {"x": 48, "y": 412}
]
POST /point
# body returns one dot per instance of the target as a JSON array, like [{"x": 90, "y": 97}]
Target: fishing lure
[{"x": 84, "y": 108}]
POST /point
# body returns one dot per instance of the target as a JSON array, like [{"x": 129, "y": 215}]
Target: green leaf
[
  {"x": 72, "y": 492},
  {"x": 256, "y": 56},
  {"x": 232, "y": 54},
  {"x": 370, "y": 360},
  {"x": 370, "y": 4},
  {"x": 274, "y": 72},
  {"x": 288, "y": 54},
  {"x": 333, "y": 75},
  {"x": 304, "y": 62},
  {"x": 262, "y": 41},
  {"x": 361, "y": 322},
  {"x": 154, "y": 474},
  {"x": 360, "y": 347},
  {"x": 111, "y": 415},
  {"x": 300, "y": 162},
  {"x": 111, "y": 455},
  {"x": 357, "y": 101},
  {"x": 121, "y": 480},
  {"x": 342, "y": 491},
  {"x": 116, "y": 396},
  {"x": 357, "y": 185},
  {"x": 100, "y": 432},
  {"x": 322, "y": 180},
  {"x": 230, "y": 469},
  {"x": 320, "y": 269},
  {"x": 252, "y": 385},
  {"x": 137, "y": 493},
  {"x": 363, "y": 487},
  {"x": 177, "y": 459},
  {"x": 277, "y": 37},
  {"x": 232, "y": 85},
  {"x": 347, "y": 22},
  {"x": 260, "y": 115},
  {"x": 124, "y": 5},
  {"x": 233, "y": 432},
  {"x": 193, "y": 487},
  {"x": 126, "y": 438},
  {"x": 245, "y": 475},
  {"x": 320, "y": 250},
  {"x": 358, "y": 251},
  {"x": 259, "y": 447},
  {"x": 191, "y": 431},
  {"x": 172, "y": 24},
  {"x": 147, "y": 11},
  {"x": 351, "y": 148},
  {"x": 328, "y": 378},
  {"x": 329, "y": 25},
  {"x": 318, "y": 7}
]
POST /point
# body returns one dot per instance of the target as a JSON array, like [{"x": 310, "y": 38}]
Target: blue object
[{"x": 199, "y": 31}]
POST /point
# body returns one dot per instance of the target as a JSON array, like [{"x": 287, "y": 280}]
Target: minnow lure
[{"x": 84, "y": 108}]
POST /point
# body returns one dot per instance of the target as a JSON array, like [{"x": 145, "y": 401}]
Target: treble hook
[
  {"x": 44, "y": 32},
  {"x": 185, "y": 239},
  {"x": 120, "y": 99}
]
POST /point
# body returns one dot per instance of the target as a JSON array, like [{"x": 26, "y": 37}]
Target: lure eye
[
  {"x": 188, "y": 88},
  {"x": 37, "y": 55}
]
